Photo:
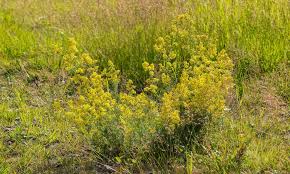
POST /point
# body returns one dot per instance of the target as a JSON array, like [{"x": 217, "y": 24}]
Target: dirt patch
[{"x": 261, "y": 98}]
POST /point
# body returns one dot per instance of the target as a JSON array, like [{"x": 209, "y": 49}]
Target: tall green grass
[{"x": 255, "y": 32}]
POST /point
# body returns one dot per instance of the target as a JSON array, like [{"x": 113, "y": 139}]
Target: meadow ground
[{"x": 144, "y": 86}]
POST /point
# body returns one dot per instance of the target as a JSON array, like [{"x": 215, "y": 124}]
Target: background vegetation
[{"x": 130, "y": 86}]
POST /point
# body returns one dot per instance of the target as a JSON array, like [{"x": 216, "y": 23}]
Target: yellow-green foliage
[
  {"x": 192, "y": 80},
  {"x": 249, "y": 144},
  {"x": 34, "y": 139}
]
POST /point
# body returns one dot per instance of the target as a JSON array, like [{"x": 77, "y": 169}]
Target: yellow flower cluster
[
  {"x": 151, "y": 81},
  {"x": 190, "y": 80},
  {"x": 198, "y": 74},
  {"x": 70, "y": 58},
  {"x": 170, "y": 113},
  {"x": 130, "y": 87},
  {"x": 104, "y": 113}
]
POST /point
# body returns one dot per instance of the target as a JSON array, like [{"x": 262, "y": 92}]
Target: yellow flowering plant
[
  {"x": 112, "y": 120},
  {"x": 188, "y": 82},
  {"x": 193, "y": 77}
]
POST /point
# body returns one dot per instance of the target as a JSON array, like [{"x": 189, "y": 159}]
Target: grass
[{"x": 37, "y": 136}]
